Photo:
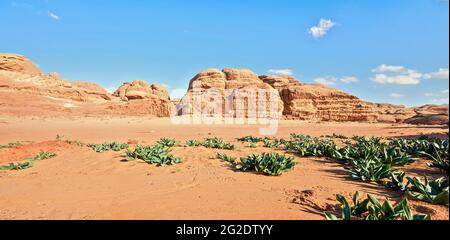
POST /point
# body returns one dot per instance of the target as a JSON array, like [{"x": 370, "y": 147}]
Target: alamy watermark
[{"x": 208, "y": 106}]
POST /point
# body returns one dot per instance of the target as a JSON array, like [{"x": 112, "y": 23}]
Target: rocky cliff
[
  {"x": 231, "y": 92},
  {"x": 51, "y": 94},
  {"x": 26, "y": 90},
  {"x": 316, "y": 102}
]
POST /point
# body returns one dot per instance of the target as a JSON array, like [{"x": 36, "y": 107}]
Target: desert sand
[{"x": 82, "y": 184}]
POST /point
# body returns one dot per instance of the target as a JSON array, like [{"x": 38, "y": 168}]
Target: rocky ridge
[{"x": 50, "y": 94}]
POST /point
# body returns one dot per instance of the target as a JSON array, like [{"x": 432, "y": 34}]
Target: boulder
[
  {"x": 19, "y": 64},
  {"x": 217, "y": 87},
  {"x": 140, "y": 89}
]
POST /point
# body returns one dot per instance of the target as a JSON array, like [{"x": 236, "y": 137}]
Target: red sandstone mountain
[{"x": 26, "y": 90}]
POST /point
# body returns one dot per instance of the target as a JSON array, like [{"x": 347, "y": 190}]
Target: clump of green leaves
[
  {"x": 104, "y": 147},
  {"x": 251, "y": 139},
  {"x": 167, "y": 142},
  {"x": 372, "y": 209},
  {"x": 438, "y": 153},
  {"x": 368, "y": 171},
  {"x": 434, "y": 149},
  {"x": 226, "y": 158},
  {"x": 273, "y": 143},
  {"x": 397, "y": 181},
  {"x": 307, "y": 146},
  {"x": 16, "y": 166},
  {"x": 194, "y": 143},
  {"x": 42, "y": 156},
  {"x": 216, "y": 143},
  {"x": 337, "y": 136},
  {"x": 13, "y": 144},
  {"x": 434, "y": 192},
  {"x": 156, "y": 154},
  {"x": 271, "y": 164}
]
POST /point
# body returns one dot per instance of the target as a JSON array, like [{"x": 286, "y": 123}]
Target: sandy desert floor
[{"x": 82, "y": 184}]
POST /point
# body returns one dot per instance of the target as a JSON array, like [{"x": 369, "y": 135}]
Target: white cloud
[
  {"x": 388, "y": 74},
  {"x": 441, "y": 74},
  {"x": 408, "y": 79},
  {"x": 441, "y": 94},
  {"x": 349, "y": 79},
  {"x": 327, "y": 80},
  {"x": 286, "y": 72},
  {"x": 441, "y": 101},
  {"x": 53, "y": 15},
  {"x": 331, "y": 80},
  {"x": 396, "y": 95},
  {"x": 388, "y": 68},
  {"x": 322, "y": 29},
  {"x": 432, "y": 94}
]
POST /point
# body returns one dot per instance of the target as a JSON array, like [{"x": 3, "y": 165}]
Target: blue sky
[{"x": 381, "y": 51}]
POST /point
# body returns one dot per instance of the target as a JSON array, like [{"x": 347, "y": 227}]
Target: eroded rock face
[
  {"x": 141, "y": 90},
  {"x": 280, "y": 82},
  {"x": 316, "y": 102},
  {"x": 19, "y": 64},
  {"x": 390, "y": 113},
  {"x": 25, "y": 83},
  {"x": 428, "y": 119},
  {"x": 18, "y": 73},
  {"x": 24, "y": 89},
  {"x": 231, "y": 92}
]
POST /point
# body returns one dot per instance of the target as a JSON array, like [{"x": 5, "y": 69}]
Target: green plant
[
  {"x": 386, "y": 211},
  {"x": 269, "y": 163},
  {"x": 16, "y": 166},
  {"x": 268, "y": 143},
  {"x": 194, "y": 143},
  {"x": 251, "y": 139},
  {"x": 307, "y": 146},
  {"x": 372, "y": 209},
  {"x": 438, "y": 153},
  {"x": 337, "y": 136},
  {"x": 166, "y": 142},
  {"x": 434, "y": 192},
  {"x": 13, "y": 144},
  {"x": 104, "y": 147},
  {"x": 394, "y": 157},
  {"x": 217, "y": 143},
  {"x": 42, "y": 156},
  {"x": 348, "y": 211},
  {"x": 397, "y": 181},
  {"x": 226, "y": 158},
  {"x": 156, "y": 154},
  {"x": 369, "y": 171}
]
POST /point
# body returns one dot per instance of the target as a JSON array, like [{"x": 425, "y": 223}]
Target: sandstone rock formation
[
  {"x": 390, "y": 113},
  {"x": 20, "y": 74},
  {"x": 52, "y": 93},
  {"x": 141, "y": 90},
  {"x": 25, "y": 89},
  {"x": 316, "y": 102},
  {"x": 19, "y": 64},
  {"x": 231, "y": 92},
  {"x": 429, "y": 119},
  {"x": 430, "y": 115}
]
